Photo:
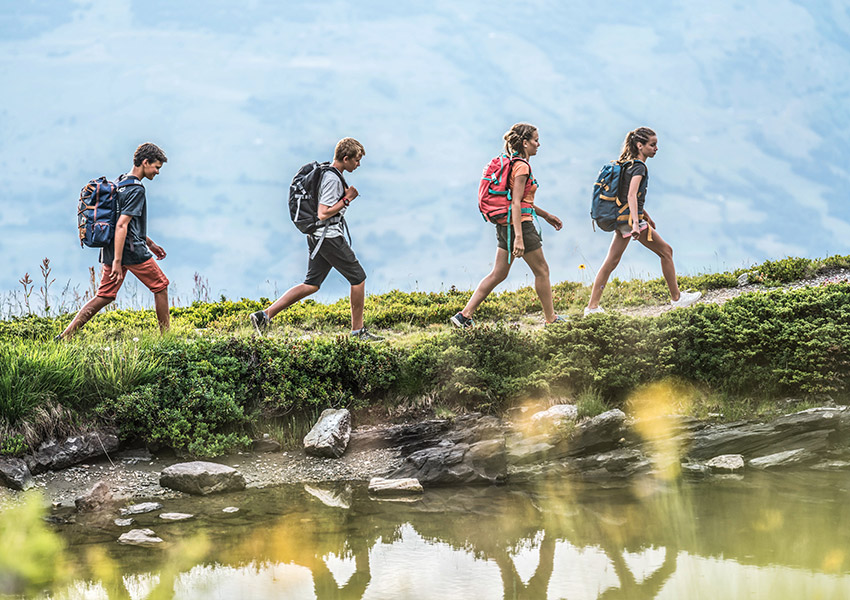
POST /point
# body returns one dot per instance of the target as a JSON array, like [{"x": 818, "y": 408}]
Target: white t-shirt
[{"x": 330, "y": 191}]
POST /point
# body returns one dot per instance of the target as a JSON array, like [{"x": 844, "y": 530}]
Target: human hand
[
  {"x": 554, "y": 221},
  {"x": 519, "y": 247},
  {"x": 116, "y": 272},
  {"x": 635, "y": 231},
  {"x": 351, "y": 193},
  {"x": 157, "y": 250}
]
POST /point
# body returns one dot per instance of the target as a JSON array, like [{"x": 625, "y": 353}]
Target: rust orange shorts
[{"x": 147, "y": 272}]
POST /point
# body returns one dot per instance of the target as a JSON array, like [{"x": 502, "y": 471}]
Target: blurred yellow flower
[{"x": 582, "y": 267}]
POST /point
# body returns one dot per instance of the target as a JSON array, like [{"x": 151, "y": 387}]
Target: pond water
[{"x": 765, "y": 535}]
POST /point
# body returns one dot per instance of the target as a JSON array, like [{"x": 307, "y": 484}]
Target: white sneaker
[
  {"x": 686, "y": 299},
  {"x": 588, "y": 310}
]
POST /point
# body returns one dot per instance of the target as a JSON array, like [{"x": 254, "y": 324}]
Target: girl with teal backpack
[
  {"x": 635, "y": 223},
  {"x": 516, "y": 235}
]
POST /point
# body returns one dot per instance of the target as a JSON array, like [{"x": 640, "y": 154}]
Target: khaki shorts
[{"x": 147, "y": 272}]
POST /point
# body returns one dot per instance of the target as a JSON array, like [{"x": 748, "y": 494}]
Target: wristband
[{"x": 346, "y": 201}]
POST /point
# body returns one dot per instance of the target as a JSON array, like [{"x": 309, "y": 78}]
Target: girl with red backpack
[
  {"x": 639, "y": 145},
  {"x": 516, "y": 235}
]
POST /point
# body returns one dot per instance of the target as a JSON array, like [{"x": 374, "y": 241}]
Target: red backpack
[{"x": 494, "y": 196}]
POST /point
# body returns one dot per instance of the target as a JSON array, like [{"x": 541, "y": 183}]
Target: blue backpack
[
  {"x": 97, "y": 211},
  {"x": 606, "y": 208}
]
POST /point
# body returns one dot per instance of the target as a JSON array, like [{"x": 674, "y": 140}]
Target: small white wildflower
[
  {"x": 135, "y": 339},
  {"x": 106, "y": 349}
]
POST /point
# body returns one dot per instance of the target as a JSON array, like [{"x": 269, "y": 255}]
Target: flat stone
[
  {"x": 124, "y": 522},
  {"x": 482, "y": 463},
  {"x": 53, "y": 455},
  {"x": 138, "y": 509},
  {"x": 97, "y": 498},
  {"x": 175, "y": 516},
  {"x": 391, "y": 487},
  {"x": 726, "y": 463},
  {"x": 265, "y": 445},
  {"x": 201, "y": 478},
  {"x": 230, "y": 510},
  {"x": 139, "y": 537},
  {"x": 781, "y": 459}
]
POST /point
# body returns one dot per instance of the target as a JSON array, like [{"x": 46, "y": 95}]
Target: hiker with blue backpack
[
  {"x": 619, "y": 195},
  {"x": 114, "y": 217},
  {"x": 318, "y": 199},
  {"x": 506, "y": 197}
]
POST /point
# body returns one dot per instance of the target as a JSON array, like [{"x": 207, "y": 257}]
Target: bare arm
[
  {"x": 516, "y": 213},
  {"x": 117, "y": 273},
  {"x": 634, "y": 185},
  {"x": 326, "y": 212},
  {"x": 549, "y": 218},
  {"x": 155, "y": 248}
]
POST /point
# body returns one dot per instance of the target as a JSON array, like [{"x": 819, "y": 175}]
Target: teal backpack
[{"x": 607, "y": 209}]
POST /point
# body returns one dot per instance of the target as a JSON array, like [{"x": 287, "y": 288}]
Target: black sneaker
[
  {"x": 366, "y": 335},
  {"x": 461, "y": 322},
  {"x": 260, "y": 320}
]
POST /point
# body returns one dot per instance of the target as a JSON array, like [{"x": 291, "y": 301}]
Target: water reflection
[{"x": 721, "y": 538}]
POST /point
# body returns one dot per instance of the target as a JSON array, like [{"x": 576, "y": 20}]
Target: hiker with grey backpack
[
  {"x": 618, "y": 205},
  {"x": 318, "y": 199}
]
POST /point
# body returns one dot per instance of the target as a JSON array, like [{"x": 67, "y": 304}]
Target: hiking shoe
[
  {"x": 590, "y": 311},
  {"x": 558, "y": 319},
  {"x": 461, "y": 322},
  {"x": 260, "y": 320},
  {"x": 57, "y": 337},
  {"x": 686, "y": 299},
  {"x": 366, "y": 335}
]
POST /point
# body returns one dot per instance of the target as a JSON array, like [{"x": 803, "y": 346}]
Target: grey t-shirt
[
  {"x": 331, "y": 190},
  {"x": 131, "y": 201},
  {"x": 635, "y": 169}
]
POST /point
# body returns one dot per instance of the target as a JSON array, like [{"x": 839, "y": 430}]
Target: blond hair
[
  {"x": 630, "y": 149},
  {"x": 515, "y": 136},
  {"x": 348, "y": 148}
]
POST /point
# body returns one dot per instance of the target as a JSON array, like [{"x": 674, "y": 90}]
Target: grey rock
[
  {"x": 201, "y": 478},
  {"x": 97, "y": 498},
  {"x": 743, "y": 279},
  {"x": 138, "y": 509},
  {"x": 139, "y": 537},
  {"x": 391, "y": 487},
  {"x": 479, "y": 463},
  {"x": 266, "y": 444},
  {"x": 330, "y": 435},
  {"x": 230, "y": 510},
  {"x": 15, "y": 473},
  {"x": 622, "y": 462},
  {"x": 135, "y": 456},
  {"x": 523, "y": 450},
  {"x": 124, "y": 522},
  {"x": 554, "y": 417},
  {"x": 175, "y": 516},
  {"x": 726, "y": 463},
  {"x": 781, "y": 459},
  {"x": 599, "y": 434},
  {"x": 53, "y": 455}
]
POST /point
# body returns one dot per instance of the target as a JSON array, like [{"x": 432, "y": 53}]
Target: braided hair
[
  {"x": 630, "y": 149},
  {"x": 515, "y": 136}
]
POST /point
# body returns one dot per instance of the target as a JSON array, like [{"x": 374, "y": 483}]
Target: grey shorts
[
  {"x": 530, "y": 237},
  {"x": 335, "y": 253}
]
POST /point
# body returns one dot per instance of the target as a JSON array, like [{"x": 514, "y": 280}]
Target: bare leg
[
  {"x": 290, "y": 297},
  {"x": 665, "y": 253},
  {"x": 540, "y": 268},
  {"x": 615, "y": 252},
  {"x": 358, "y": 298},
  {"x": 160, "y": 303},
  {"x": 500, "y": 271},
  {"x": 91, "y": 308}
]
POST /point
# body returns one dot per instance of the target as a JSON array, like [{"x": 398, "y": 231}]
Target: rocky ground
[{"x": 135, "y": 474}]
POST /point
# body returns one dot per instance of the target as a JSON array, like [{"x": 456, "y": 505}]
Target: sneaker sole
[
  {"x": 457, "y": 323},
  {"x": 256, "y": 323}
]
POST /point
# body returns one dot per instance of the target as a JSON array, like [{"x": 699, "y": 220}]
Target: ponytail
[
  {"x": 630, "y": 149},
  {"x": 515, "y": 136}
]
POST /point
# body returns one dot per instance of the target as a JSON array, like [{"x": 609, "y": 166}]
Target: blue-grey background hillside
[{"x": 749, "y": 101}]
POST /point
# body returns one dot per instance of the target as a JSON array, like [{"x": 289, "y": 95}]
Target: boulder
[
  {"x": 15, "y": 473},
  {"x": 201, "y": 478},
  {"x": 726, "y": 463},
  {"x": 97, "y": 498},
  {"x": 138, "y": 509},
  {"x": 329, "y": 436},
  {"x": 448, "y": 463},
  {"x": 124, "y": 522},
  {"x": 53, "y": 455},
  {"x": 139, "y": 537},
  {"x": 555, "y": 417},
  {"x": 391, "y": 487},
  {"x": 266, "y": 444}
]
